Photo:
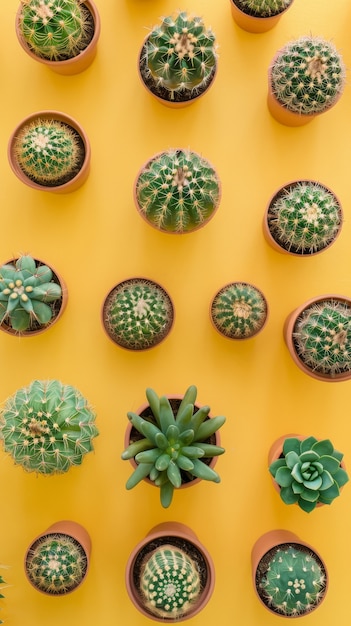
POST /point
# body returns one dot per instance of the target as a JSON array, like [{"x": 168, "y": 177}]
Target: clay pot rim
[{"x": 229, "y": 284}]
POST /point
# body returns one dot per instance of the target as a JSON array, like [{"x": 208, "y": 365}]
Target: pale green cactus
[
  {"x": 239, "y": 310},
  {"x": 262, "y": 8}
]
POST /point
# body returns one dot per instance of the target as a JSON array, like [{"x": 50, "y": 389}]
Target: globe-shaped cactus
[
  {"x": 262, "y": 8},
  {"x": 239, "y": 310}
]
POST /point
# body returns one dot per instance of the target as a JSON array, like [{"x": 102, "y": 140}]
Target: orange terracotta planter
[{"x": 253, "y": 24}]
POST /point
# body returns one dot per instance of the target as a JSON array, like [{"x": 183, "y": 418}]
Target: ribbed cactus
[
  {"x": 262, "y": 8},
  {"x": 169, "y": 582},
  {"x": 47, "y": 427},
  {"x": 238, "y": 310},
  {"x": 56, "y": 563},
  {"x": 27, "y": 294},
  {"x": 294, "y": 582},
  {"x": 308, "y": 75},
  {"x": 138, "y": 314},
  {"x": 177, "y": 191},
  {"x": 304, "y": 217}
]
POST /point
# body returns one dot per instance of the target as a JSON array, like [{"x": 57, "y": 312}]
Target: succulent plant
[
  {"x": 169, "y": 582},
  {"x": 27, "y": 291},
  {"x": 2, "y": 582},
  {"x": 172, "y": 443},
  {"x": 262, "y": 8},
  {"x": 137, "y": 314},
  {"x": 177, "y": 191},
  {"x": 294, "y": 582},
  {"x": 47, "y": 427},
  {"x": 239, "y": 310},
  {"x": 308, "y": 472},
  {"x": 308, "y": 75},
  {"x": 56, "y": 563}
]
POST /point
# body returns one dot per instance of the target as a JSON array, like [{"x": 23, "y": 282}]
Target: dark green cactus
[
  {"x": 262, "y": 8},
  {"x": 239, "y": 310}
]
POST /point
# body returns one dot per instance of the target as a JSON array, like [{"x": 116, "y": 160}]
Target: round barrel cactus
[
  {"x": 262, "y": 8},
  {"x": 239, "y": 310}
]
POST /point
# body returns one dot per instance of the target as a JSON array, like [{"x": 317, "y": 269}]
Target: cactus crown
[
  {"x": 47, "y": 427},
  {"x": 173, "y": 441},
  {"x": 304, "y": 217},
  {"x": 56, "y": 563},
  {"x": 308, "y": 75},
  {"x": 294, "y": 581},
  {"x": 308, "y": 472},
  {"x": 178, "y": 191},
  {"x": 239, "y": 310},
  {"x": 138, "y": 314},
  {"x": 27, "y": 294},
  {"x": 262, "y": 8},
  {"x": 322, "y": 337}
]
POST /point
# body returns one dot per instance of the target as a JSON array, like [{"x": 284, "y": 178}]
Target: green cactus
[
  {"x": 2, "y": 582},
  {"x": 173, "y": 442},
  {"x": 47, "y": 427},
  {"x": 262, "y": 8},
  {"x": 294, "y": 580},
  {"x": 27, "y": 294},
  {"x": 56, "y": 563},
  {"x": 308, "y": 75},
  {"x": 178, "y": 191},
  {"x": 169, "y": 582},
  {"x": 239, "y": 310},
  {"x": 308, "y": 472},
  {"x": 55, "y": 29},
  {"x": 138, "y": 314},
  {"x": 322, "y": 337}
]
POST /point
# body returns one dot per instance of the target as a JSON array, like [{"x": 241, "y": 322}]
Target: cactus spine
[
  {"x": 262, "y": 8},
  {"x": 239, "y": 310}
]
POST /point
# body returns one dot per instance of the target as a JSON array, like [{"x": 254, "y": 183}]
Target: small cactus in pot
[
  {"x": 262, "y": 8},
  {"x": 239, "y": 310},
  {"x": 258, "y": 16}
]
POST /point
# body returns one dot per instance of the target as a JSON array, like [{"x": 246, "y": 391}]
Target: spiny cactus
[
  {"x": 294, "y": 582},
  {"x": 26, "y": 292},
  {"x": 262, "y": 8},
  {"x": 308, "y": 75},
  {"x": 169, "y": 582},
  {"x": 304, "y": 217},
  {"x": 47, "y": 427},
  {"x": 138, "y": 314},
  {"x": 2, "y": 582},
  {"x": 309, "y": 472},
  {"x": 56, "y": 563},
  {"x": 172, "y": 442},
  {"x": 239, "y": 310},
  {"x": 178, "y": 191}
]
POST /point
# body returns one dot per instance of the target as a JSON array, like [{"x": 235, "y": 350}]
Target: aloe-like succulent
[
  {"x": 308, "y": 472},
  {"x": 47, "y": 427},
  {"x": 172, "y": 442},
  {"x": 177, "y": 191},
  {"x": 239, "y": 310},
  {"x": 27, "y": 294},
  {"x": 262, "y": 8},
  {"x": 308, "y": 75}
]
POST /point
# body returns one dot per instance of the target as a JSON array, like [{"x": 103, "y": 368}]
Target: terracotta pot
[
  {"x": 254, "y": 24},
  {"x": 76, "y": 64},
  {"x": 78, "y": 180},
  {"x": 217, "y": 329},
  {"x": 179, "y": 535}
]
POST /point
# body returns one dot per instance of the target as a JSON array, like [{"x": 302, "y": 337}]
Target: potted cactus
[
  {"x": 177, "y": 191},
  {"x": 57, "y": 561},
  {"x": 137, "y": 314},
  {"x": 302, "y": 218},
  {"x": 239, "y": 311},
  {"x": 289, "y": 576},
  {"x": 306, "y": 471},
  {"x": 47, "y": 427},
  {"x": 32, "y": 296},
  {"x": 258, "y": 16},
  {"x": 172, "y": 442},
  {"x": 318, "y": 337},
  {"x": 170, "y": 575},
  {"x": 62, "y": 34},
  {"x": 178, "y": 59},
  {"x": 306, "y": 78},
  {"x": 50, "y": 151}
]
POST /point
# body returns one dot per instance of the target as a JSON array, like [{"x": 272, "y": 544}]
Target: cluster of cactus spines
[
  {"x": 138, "y": 314},
  {"x": 54, "y": 29},
  {"x": 239, "y": 310},
  {"x": 171, "y": 444},
  {"x": 56, "y": 563},
  {"x": 177, "y": 191},
  {"x": 262, "y": 8},
  {"x": 295, "y": 581},
  {"x": 47, "y": 427},
  {"x": 48, "y": 151},
  {"x": 181, "y": 53},
  {"x": 169, "y": 582},
  {"x": 26, "y": 291},
  {"x": 308, "y": 75},
  {"x": 322, "y": 337},
  {"x": 309, "y": 472}
]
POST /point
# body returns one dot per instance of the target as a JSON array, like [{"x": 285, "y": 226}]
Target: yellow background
[{"x": 95, "y": 238}]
